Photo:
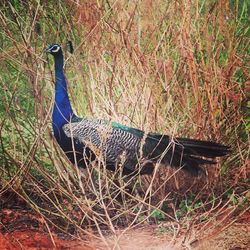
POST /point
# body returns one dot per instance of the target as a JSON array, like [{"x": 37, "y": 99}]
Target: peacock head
[{"x": 54, "y": 49}]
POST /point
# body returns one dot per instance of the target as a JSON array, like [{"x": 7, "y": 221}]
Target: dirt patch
[
  {"x": 234, "y": 237},
  {"x": 22, "y": 228},
  {"x": 139, "y": 239},
  {"x": 34, "y": 240}
]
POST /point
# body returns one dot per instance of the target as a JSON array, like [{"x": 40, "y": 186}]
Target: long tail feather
[
  {"x": 203, "y": 148},
  {"x": 189, "y": 154}
]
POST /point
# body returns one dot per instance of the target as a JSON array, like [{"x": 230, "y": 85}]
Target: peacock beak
[{"x": 47, "y": 50}]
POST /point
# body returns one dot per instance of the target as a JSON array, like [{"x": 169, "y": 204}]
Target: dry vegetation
[{"x": 176, "y": 67}]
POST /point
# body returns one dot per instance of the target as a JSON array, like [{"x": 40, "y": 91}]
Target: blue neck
[{"x": 62, "y": 111}]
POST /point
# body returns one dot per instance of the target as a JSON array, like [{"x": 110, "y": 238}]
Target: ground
[{"x": 22, "y": 229}]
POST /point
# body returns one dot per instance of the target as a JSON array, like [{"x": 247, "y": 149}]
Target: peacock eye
[{"x": 55, "y": 49}]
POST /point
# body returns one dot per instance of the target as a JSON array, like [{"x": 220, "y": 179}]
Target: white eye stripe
[{"x": 56, "y": 49}]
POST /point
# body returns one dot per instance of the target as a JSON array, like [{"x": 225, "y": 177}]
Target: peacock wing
[{"x": 106, "y": 138}]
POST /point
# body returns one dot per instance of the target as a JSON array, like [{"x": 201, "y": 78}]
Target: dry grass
[{"x": 176, "y": 67}]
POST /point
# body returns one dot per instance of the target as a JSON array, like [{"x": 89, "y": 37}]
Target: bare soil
[{"x": 21, "y": 228}]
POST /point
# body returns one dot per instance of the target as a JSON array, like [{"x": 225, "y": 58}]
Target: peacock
[{"x": 117, "y": 146}]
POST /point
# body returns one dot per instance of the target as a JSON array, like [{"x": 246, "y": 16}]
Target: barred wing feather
[{"x": 102, "y": 138}]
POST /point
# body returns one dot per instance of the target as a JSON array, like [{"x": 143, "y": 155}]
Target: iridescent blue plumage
[
  {"x": 119, "y": 146},
  {"x": 63, "y": 112}
]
